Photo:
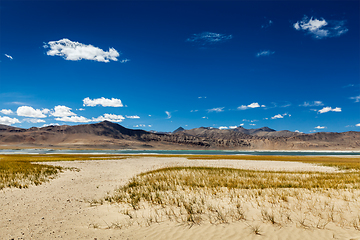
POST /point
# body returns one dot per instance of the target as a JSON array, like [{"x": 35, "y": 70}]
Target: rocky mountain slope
[{"x": 108, "y": 135}]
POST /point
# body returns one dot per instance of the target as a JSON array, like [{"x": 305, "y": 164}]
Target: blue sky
[{"x": 160, "y": 65}]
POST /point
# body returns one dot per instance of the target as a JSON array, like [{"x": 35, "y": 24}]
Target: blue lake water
[{"x": 184, "y": 152}]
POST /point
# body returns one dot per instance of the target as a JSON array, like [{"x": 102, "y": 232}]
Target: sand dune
[{"x": 62, "y": 207}]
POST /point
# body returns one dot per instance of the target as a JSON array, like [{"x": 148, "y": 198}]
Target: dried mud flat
[{"x": 61, "y": 208}]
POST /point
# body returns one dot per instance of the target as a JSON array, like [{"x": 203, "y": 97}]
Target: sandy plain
[{"x": 62, "y": 209}]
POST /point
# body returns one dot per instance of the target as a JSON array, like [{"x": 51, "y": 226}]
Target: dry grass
[
  {"x": 20, "y": 171},
  {"x": 194, "y": 195}
]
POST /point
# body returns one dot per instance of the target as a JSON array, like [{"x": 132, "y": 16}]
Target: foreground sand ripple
[{"x": 61, "y": 209}]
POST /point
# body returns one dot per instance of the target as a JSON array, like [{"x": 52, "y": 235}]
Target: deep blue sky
[{"x": 182, "y": 63}]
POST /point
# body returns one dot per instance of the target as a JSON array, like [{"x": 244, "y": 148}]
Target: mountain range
[{"x": 108, "y": 135}]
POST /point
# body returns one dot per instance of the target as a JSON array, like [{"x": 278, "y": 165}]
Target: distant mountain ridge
[{"x": 108, "y": 135}]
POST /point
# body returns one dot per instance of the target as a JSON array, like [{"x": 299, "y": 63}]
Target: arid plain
[{"x": 97, "y": 197}]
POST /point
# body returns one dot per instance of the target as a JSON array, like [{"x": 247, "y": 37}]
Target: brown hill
[{"x": 108, "y": 135}]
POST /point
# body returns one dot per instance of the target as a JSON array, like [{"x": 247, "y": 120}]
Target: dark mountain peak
[
  {"x": 179, "y": 129},
  {"x": 266, "y": 129}
]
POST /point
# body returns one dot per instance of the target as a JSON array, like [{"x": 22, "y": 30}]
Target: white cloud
[
  {"x": 252, "y": 124},
  {"x": 50, "y": 124},
  {"x": 320, "y": 127},
  {"x": 62, "y": 111},
  {"x": 280, "y": 116},
  {"x": 109, "y": 117},
  {"x": 321, "y": 28},
  {"x": 205, "y": 117},
  {"x": 75, "y": 51},
  {"x": 209, "y": 38},
  {"x": 168, "y": 114},
  {"x": 219, "y": 109},
  {"x": 313, "y": 131},
  {"x": 242, "y": 124},
  {"x": 105, "y": 102},
  {"x": 358, "y": 125},
  {"x": 77, "y": 119},
  {"x": 252, "y": 105},
  {"x": 125, "y": 60},
  {"x": 81, "y": 109},
  {"x": 27, "y": 111},
  {"x": 221, "y": 128},
  {"x": 33, "y": 120},
  {"x": 8, "y": 121},
  {"x": 194, "y": 110},
  {"x": 277, "y": 116},
  {"x": 329, "y": 109},
  {"x": 232, "y": 127},
  {"x": 6, "y": 111},
  {"x": 8, "y": 56},
  {"x": 264, "y": 53},
  {"x": 297, "y": 131},
  {"x": 312, "y": 104},
  {"x": 45, "y": 111},
  {"x": 133, "y": 117},
  {"x": 357, "y": 98},
  {"x": 201, "y": 97}
]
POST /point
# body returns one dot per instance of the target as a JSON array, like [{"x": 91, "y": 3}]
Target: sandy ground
[{"x": 61, "y": 209}]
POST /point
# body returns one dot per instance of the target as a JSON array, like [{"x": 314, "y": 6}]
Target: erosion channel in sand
[{"x": 74, "y": 206}]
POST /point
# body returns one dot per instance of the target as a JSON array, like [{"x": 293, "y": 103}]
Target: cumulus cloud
[
  {"x": 8, "y": 121},
  {"x": 312, "y": 104},
  {"x": 26, "y": 111},
  {"x": 8, "y": 56},
  {"x": 50, "y": 124},
  {"x": 205, "y": 38},
  {"x": 168, "y": 114},
  {"x": 105, "y": 102},
  {"x": 109, "y": 117},
  {"x": 329, "y": 109},
  {"x": 33, "y": 120},
  {"x": 77, "y": 119},
  {"x": 280, "y": 116},
  {"x": 264, "y": 53},
  {"x": 321, "y": 28},
  {"x": 221, "y": 128},
  {"x": 6, "y": 111},
  {"x": 232, "y": 127},
  {"x": 357, "y": 98},
  {"x": 62, "y": 111},
  {"x": 320, "y": 127},
  {"x": 358, "y": 125},
  {"x": 277, "y": 116},
  {"x": 76, "y": 51},
  {"x": 252, "y": 105},
  {"x": 133, "y": 117},
  {"x": 219, "y": 109}
]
